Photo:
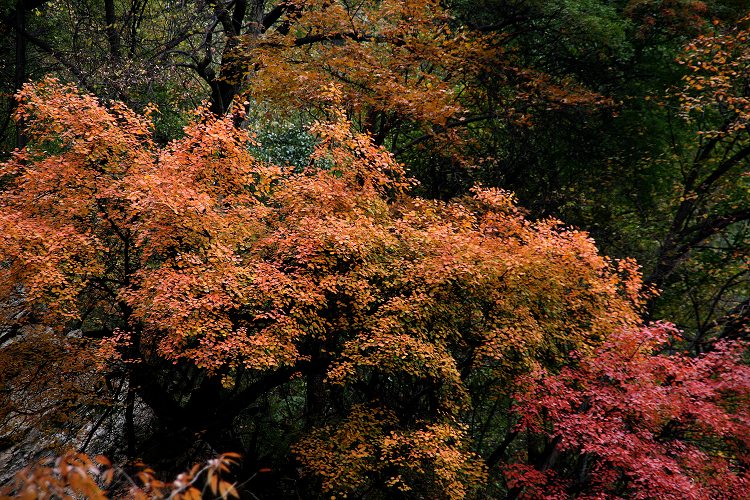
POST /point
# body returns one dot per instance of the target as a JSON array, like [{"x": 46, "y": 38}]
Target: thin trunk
[
  {"x": 130, "y": 419},
  {"x": 20, "y": 69}
]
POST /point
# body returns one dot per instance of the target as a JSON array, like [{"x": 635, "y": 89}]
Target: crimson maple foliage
[
  {"x": 631, "y": 422},
  {"x": 214, "y": 285}
]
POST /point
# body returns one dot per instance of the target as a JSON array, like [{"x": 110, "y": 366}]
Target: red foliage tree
[{"x": 629, "y": 421}]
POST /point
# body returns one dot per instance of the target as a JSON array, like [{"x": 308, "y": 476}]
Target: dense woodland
[{"x": 375, "y": 249}]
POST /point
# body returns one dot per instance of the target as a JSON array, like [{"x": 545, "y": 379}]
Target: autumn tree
[
  {"x": 220, "y": 290},
  {"x": 703, "y": 251},
  {"x": 638, "y": 421},
  {"x": 422, "y": 80}
]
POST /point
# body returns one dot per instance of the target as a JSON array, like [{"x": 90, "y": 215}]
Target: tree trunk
[
  {"x": 20, "y": 66},
  {"x": 113, "y": 37}
]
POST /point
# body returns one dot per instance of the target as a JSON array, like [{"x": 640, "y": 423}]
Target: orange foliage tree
[
  {"x": 209, "y": 281},
  {"x": 411, "y": 73}
]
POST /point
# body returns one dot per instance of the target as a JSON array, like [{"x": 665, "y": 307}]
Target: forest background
[{"x": 286, "y": 230}]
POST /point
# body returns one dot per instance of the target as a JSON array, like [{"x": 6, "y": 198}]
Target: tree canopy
[{"x": 324, "y": 248}]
